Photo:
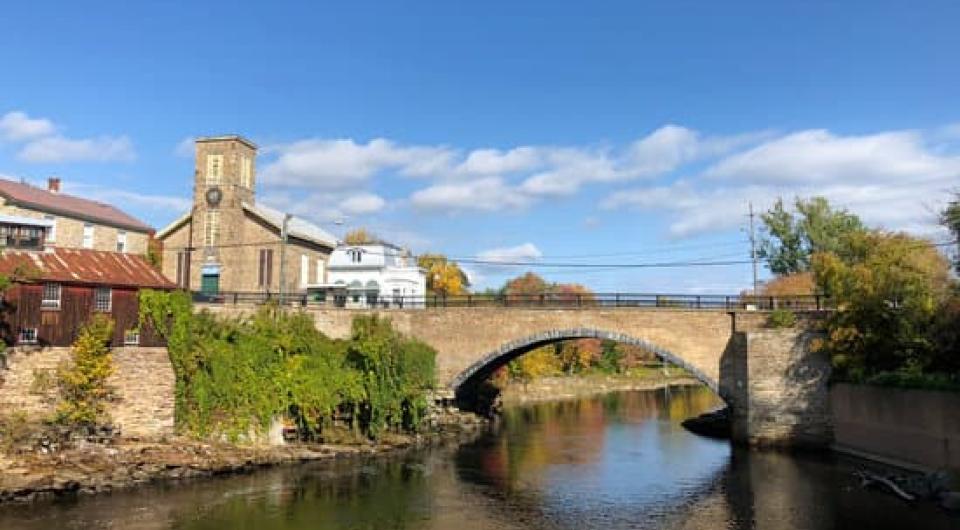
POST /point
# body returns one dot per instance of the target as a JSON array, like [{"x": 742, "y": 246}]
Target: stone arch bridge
[{"x": 772, "y": 380}]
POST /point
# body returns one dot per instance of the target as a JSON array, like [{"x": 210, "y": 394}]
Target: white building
[{"x": 372, "y": 275}]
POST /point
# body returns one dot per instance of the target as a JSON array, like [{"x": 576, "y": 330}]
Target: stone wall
[
  {"x": 143, "y": 382},
  {"x": 777, "y": 389},
  {"x": 914, "y": 427}
]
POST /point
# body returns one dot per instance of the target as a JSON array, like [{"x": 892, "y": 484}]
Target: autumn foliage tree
[
  {"x": 888, "y": 289},
  {"x": 83, "y": 381},
  {"x": 444, "y": 277},
  {"x": 360, "y": 236}
]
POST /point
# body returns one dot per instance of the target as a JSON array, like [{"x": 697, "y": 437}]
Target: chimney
[{"x": 53, "y": 184}]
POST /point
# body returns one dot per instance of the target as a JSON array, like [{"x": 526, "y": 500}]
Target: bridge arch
[{"x": 480, "y": 370}]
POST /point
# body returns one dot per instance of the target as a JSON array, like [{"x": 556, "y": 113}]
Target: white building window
[
  {"x": 51, "y": 296},
  {"x": 211, "y": 232},
  {"x": 246, "y": 171},
  {"x": 52, "y": 231},
  {"x": 214, "y": 169},
  {"x": 121, "y": 241},
  {"x": 103, "y": 299},
  {"x": 27, "y": 336},
  {"x": 87, "y": 235},
  {"x": 320, "y": 277},
  {"x": 131, "y": 337},
  {"x": 304, "y": 270}
]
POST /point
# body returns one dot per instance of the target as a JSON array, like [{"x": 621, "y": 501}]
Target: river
[{"x": 611, "y": 462}]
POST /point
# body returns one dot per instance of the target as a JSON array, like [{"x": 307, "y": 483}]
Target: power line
[{"x": 703, "y": 262}]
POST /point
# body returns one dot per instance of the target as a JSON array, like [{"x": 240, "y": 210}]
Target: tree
[
  {"x": 540, "y": 362},
  {"x": 83, "y": 382},
  {"x": 790, "y": 239},
  {"x": 950, "y": 218},
  {"x": 360, "y": 236},
  {"x": 798, "y": 284},
  {"x": 888, "y": 289},
  {"x": 528, "y": 284},
  {"x": 444, "y": 277}
]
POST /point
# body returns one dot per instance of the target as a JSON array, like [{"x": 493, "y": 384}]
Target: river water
[{"x": 612, "y": 462}]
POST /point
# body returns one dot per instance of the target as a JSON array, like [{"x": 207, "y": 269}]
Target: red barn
[{"x": 55, "y": 291}]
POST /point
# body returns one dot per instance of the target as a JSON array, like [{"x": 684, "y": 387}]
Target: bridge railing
[{"x": 545, "y": 300}]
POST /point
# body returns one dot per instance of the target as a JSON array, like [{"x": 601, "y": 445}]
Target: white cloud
[
  {"x": 486, "y": 194},
  {"x": 497, "y": 162},
  {"x": 528, "y": 172},
  {"x": 362, "y": 203},
  {"x": 891, "y": 179},
  {"x": 17, "y": 126},
  {"x": 61, "y": 149},
  {"x": 126, "y": 199},
  {"x": 339, "y": 164},
  {"x": 524, "y": 252},
  {"x": 821, "y": 156}
]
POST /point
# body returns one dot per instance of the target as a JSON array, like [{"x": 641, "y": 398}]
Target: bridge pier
[{"x": 776, "y": 386}]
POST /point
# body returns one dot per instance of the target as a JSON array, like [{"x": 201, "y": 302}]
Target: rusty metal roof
[
  {"x": 60, "y": 203},
  {"x": 71, "y": 265}
]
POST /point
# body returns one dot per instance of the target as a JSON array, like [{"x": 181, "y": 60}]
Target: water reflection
[{"x": 620, "y": 461}]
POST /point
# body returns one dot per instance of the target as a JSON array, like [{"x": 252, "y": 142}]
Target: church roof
[{"x": 297, "y": 227}]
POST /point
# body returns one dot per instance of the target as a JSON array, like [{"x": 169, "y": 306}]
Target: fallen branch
[{"x": 868, "y": 479}]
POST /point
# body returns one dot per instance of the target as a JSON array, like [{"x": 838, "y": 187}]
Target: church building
[{"x": 227, "y": 243}]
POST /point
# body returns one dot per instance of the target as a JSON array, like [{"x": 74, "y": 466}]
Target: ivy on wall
[{"x": 237, "y": 373}]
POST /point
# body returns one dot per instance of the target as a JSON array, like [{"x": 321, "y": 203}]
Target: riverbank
[
  {"x": 86, "y": 468},
  {"x": 582, "y": 386}
]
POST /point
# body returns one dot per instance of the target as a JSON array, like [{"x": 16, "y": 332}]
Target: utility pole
[
  {"x": 753, "y": 249},
  {"x": 283, "y": 254}
]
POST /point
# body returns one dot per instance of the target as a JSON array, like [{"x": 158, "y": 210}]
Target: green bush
[
  {"x": 234, "y": 374},
  {"x": 781, "y": 318}
]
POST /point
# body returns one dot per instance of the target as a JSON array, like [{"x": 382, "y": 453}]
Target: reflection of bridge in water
[{"x": 772, "y": 380}]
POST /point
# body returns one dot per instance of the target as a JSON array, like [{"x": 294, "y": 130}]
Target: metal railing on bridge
[{"x": 528, "y": 301}]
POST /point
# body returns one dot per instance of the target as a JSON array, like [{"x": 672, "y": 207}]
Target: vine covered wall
[{"x": 234, "y": 374}]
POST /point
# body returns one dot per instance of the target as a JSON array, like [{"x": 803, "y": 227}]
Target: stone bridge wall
[
  {"x": 774, "y": 384},
  {"x": 462, "y": 336}
]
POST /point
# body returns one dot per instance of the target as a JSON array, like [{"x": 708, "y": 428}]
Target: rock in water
[{"x": 714, "y": 424}]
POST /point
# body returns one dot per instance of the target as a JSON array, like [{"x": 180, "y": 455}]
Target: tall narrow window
[
  {"x": 211, "y": 232},
  {"x": 320, "y": 277},
  {"x": 52, "y": 231},
  {"x": 214, "y": 169},
  {"x": 183, "y": 269},
  {"x": 121, "y": 241},
  {"x": 51, "y": 296},
  {"x": 246, "y": 171},
  {"x": 87, "y": 235},
  {"x": 103, "y": 299},
  {"x": 304, "y": 270},
  {"x": 265, "y": 276}
]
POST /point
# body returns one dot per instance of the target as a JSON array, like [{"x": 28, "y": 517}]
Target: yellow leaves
[
  {"x": 83, "y": 381},
  {"x": 359, "y": 236},
  {"x": 540, "y": 362},
  {"x": 444, "y": 277}
]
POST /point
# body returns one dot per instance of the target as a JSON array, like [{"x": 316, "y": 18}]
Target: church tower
[{"x": 224, "y": 180}]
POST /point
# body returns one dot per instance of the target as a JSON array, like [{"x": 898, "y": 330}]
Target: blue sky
[{"x": 626, "y": 132}]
